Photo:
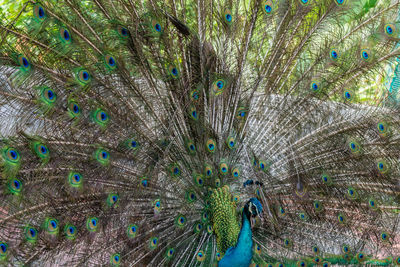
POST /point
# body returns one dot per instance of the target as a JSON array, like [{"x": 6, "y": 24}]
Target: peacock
[{"x": 200, "y": 133}]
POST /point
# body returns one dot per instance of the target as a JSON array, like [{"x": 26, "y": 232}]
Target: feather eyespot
[
  {"x": 92, "y": 224},
  {"x": 153, "y": 242},
  {"x": 361, "y": 257},
  {"x": 208, "y": 170},
  {"x": 223, "y": 168},
  {"x": 194, "y": 95},
  {"x": 218, "y": 256},
  {"x": 348, "y": 95},
  {"x": 355, "y": 147},
  {"x": 31, "y": 234},
  {"x": 132, "y": 230},
  {"x": 174, "y": 170},
  {"x": 123, "y": 32},
  {"x": 236, "y": 172},
  {"x": 74, "y": 111},
  {"x": 112, "y": 200},
  {"x": 241, "y": 113},
  {"x": 317, "y": 205},
  {"x": 11, "y": 155},
  {"x": 191, "y": 147},
  {"x": 75, "y": 108},
  {"x": 228, "y": 16},
  {"x": 302, "y": 216},
  {"x": 198, "y": 179},
  {"x": 70, "y": 231},
  {"x": 180, "y": 221},
  {"x": 345, "y": 249},
  {"x": 373, "y": 204},
  {"x": 15, "y": 186},
  {"x": 231, "y": 142},
  {"x": 191, "y": 196},
  {"x": 102, "y": 156},
  {"x": 3, "y": 250},
  {"x": 341, "y": 218},
  {"x": 49, "y": 95},
  {"x": 65, "y": 35},
  {"x": 110, "y": 62},
  {"x": 390, "y": 29},
  {"x": 366, "y": 54},
  {"x": 315, "y": 86},
  {"x": 211, "y": 145},
  {"x": 82, "y": 76},
  {"x": 144, "y": 182},
  {"x": 382, "y": 166},
  {"x": 75, "y": 179},
  {"x": 334, "y": 54},
  {"x": 24, "y": 63},
  {"x": 115, "y": 259},
  {"x": 39, "y": 12},
  {"x": 315, "y": 250},
  {"x": 282, "y": 211},
  {"x": 51, "y": 226},
  {"x": 157, "y": 205},
  {"x": 41, "y": 150},
  {"x": 287, "y": 243},
  {"x": 200, "y": 256},
  {"x": 100, "y": 117},
  {"x": 204, "y": 217},
  {"x": 317, "y": 260},
  {"x": 170, "y": 253},
  {"x": 268, "y": 5},
  {"x": 197, "y": 228},
  {"x": 382, "y": 128},
  {"x": 173, "y": 71},
  {"x": 352, "y": 193},
  {"x": 385, "y": 237},
  {"x": 219, "y": 86},
  {"x": 193, "y": 113},
  {"x": 156, "y": 27}
]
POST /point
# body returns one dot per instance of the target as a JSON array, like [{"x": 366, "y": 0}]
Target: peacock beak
[
  {"x": 252, "y": 222},
  {"x": 256, "y": 221}
]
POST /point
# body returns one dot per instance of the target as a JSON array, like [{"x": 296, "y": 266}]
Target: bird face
[{"x": 255, "y": 207}]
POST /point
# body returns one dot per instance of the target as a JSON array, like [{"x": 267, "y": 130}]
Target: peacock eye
[
  {"x": 41, "y": 12},
  {"x": 268, "y": 7},
  {"x": 66, "y": 35}
]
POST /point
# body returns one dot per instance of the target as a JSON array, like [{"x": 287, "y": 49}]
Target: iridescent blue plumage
[{"x": 242, "y": 253}]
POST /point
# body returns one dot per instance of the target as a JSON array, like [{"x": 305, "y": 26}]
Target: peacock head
[{"x": 253, "y": 208}]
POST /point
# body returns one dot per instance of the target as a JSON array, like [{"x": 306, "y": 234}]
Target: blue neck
[
  {"x": 242, "y": 253},
  {"x": 245, "y": 240}
]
